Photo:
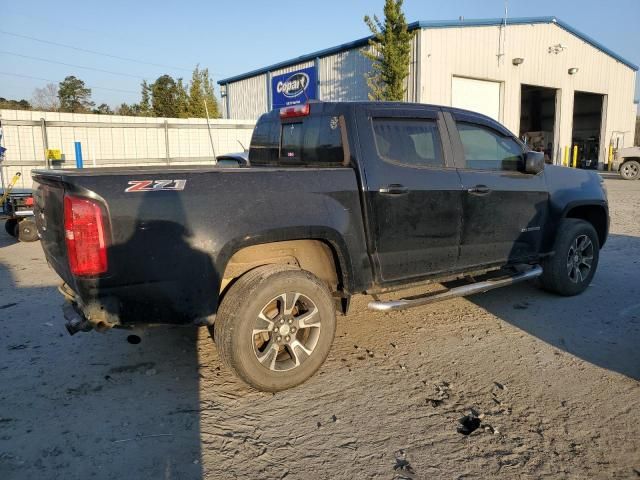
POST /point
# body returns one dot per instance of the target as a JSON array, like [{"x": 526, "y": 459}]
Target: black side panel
[{"x": 168, "y": 249}]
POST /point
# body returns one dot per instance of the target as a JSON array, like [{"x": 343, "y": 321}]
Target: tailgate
[{"x": 48, "y": 196}]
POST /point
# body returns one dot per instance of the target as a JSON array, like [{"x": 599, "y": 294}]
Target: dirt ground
[{"x": 556, "y": 380}]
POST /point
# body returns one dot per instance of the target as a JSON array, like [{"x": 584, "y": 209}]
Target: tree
[
  {"x": 74, "y": 96},
  {"x": 46, "y": 98},
  {"x": 14, "y": 104},
  {"x": 145, "y": 101},
  {"x": 209, "y": 95},
  {"x": 104, "y": 109},
  {"x": 164, "y": 97},
  {"x": 182, "y": 99},
  {"x": 200, "y": 91},
  {"x": 196, "y": 94},
  {"x": 390, "y": 53},
  {"x": 130, "y": 110}
]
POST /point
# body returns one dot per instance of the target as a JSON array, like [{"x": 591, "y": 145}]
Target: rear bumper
[{"x": 85, "y": 317}]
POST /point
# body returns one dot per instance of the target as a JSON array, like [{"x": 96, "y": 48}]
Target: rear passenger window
[
  {"x": 316, "y": 140},
  {"x": 485, "y": 149},
  {"x": 412, "y": 142}
]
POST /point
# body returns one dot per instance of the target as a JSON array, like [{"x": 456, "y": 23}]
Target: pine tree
[
  {"x": 164, "y": 97},
  {"x": 210, "y": 95},
  {"x": 390, "y": 53},
  {"x": 182, "y": 99},
  {"x": 196, "y": 95},
  {"x": 74, "y": 96},
  {"x": 145, "y": 101}
]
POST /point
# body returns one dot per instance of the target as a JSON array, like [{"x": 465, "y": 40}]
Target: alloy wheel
[
  {"x": 580, "y": 258},
  {"x": 286, "y": 331}
]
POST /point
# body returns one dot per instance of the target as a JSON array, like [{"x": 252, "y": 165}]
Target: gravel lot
[{"x": 557, "y": 380}]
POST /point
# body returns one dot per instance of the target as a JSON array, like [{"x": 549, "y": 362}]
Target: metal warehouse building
[{"x": 549, "y": 83}]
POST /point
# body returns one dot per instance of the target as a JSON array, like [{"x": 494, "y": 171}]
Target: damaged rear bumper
[{"x": 82, "y": 317}]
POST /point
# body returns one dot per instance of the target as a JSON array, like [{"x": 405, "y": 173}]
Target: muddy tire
[
  {"x": 11, "y": 226},
  {"x": 27, "y": 231},
  {"x": 630, "y": 170},
  {"x": 275, "y": 327},
  {"x": 577, "y": 250}
]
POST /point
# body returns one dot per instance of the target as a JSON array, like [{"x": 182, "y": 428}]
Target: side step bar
[{"x": 462, "y": 291}]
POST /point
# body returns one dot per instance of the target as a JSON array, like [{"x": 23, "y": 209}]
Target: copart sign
[{"x": 294, "y": 87}]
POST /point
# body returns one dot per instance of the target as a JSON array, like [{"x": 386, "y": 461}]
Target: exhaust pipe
[{"x": 75, "y": 322}]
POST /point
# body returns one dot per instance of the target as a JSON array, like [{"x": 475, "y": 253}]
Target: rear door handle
[
  {"x": 479, "y": 190},
  {"x": 393, "y": 189}
]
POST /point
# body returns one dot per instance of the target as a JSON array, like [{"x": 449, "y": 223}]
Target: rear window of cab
[{"x": 302, "y": 141}]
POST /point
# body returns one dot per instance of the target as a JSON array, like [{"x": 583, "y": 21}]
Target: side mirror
[{"x": 533, "y": 162}]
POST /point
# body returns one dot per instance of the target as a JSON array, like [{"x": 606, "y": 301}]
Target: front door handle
[
  {"x": 393, "y": 189},
  {"x": 479, "y": 190}
]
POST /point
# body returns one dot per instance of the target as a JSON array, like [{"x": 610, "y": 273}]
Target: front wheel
[
  {"x": 275, "y": 327},
  {"x": 630, "y": 170},
  {"x": 577, "y": 250}
]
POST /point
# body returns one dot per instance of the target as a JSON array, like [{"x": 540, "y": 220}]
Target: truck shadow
[
  {"x": 600, "y": 326},
  {"x": 96, "y": 405},
  {"x": 92, "y": 405}
]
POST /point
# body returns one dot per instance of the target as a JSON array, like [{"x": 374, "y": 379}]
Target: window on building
[
  {"x": 412, "y": 142},
  {"x": 485, "y": 149}
]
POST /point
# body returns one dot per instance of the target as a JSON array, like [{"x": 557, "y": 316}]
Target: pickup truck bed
[{"x": 170, "y": 248}]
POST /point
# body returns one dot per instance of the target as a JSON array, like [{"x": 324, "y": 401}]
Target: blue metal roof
[{"x": 434, "y": 24}]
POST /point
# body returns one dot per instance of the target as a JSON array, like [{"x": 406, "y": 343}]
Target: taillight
[
  {"x": 295, "y": 111},
  {"x": 28, "y": 202},
  {"x": 85, "y": 236}
]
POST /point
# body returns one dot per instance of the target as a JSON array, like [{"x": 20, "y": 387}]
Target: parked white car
[{"x": 627, "y": 163}]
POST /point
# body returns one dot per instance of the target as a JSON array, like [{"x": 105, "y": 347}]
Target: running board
[{"x": 462, "y": 291}]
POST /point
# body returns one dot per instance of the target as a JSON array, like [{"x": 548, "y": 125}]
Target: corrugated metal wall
[
  {"x": 342, "y": 77},
  {"x": 246, "y": 98},
  {"x": 112, "y": 140},
  {"x": 473, "y": 52}
]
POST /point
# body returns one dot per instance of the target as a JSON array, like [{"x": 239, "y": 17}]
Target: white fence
[{"x": 113, "y": 140}]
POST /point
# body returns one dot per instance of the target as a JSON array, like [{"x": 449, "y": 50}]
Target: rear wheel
[
  {"x": 630, "y": 170},
  {"x": 27, "y": 231},
  {"x": 275, "y": 327},
  {"x": 11, "y": 226},
  {"x": 572, "y": 267}
]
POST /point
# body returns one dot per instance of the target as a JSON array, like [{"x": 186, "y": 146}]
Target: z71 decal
[{"x": 155, "y": 185}]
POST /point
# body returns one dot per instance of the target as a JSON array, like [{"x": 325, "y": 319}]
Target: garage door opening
[
  {"x": 538, "y": 119},
  {"x": 587, "y": 125}
]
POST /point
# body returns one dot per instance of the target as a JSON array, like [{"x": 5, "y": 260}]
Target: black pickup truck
[{"x": 339, "y": 199}]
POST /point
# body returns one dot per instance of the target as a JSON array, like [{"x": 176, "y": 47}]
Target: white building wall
[
  {"x": 112, "y": 140},
  {"x": 473, "y": 52}
]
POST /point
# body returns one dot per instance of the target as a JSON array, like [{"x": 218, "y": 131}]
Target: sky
[{"x": 143, "y": 39}]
